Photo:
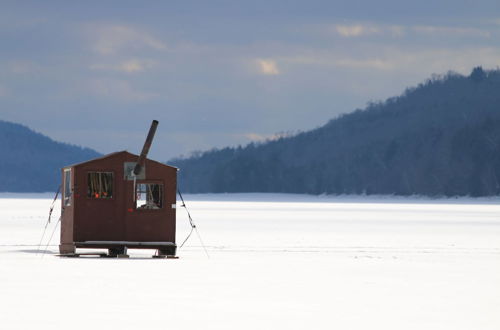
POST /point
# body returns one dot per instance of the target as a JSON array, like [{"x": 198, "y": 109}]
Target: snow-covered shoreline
[{"x": 286, "y": 197}]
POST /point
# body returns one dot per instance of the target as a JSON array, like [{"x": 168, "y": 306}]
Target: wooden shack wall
[{"x": 116, "y": 219}]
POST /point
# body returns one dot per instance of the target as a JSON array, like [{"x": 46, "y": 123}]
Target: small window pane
[
  {"x": 67, "y": 187},
  {"x": 100, "y": 185},
  {"x": 149, "y": 196}
]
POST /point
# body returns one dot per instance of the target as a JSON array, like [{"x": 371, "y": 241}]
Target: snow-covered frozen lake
[{"x": 276, "y": 262}]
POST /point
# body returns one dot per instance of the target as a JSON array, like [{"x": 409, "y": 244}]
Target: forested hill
[
  {"x": 439, "y": 138},
  {"x": 31, "y": 162}
]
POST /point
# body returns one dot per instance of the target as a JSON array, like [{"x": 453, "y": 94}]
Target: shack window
[
  {"x": 149, "y": 196},
  {"x": 100, "y": 185},
  {"x": 67, "y": 187}
]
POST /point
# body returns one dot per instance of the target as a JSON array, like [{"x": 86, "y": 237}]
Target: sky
[{"x": 223, "y": 73}]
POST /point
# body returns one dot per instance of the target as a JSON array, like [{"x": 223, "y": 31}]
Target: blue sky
[{"x": 218, "y": 73}]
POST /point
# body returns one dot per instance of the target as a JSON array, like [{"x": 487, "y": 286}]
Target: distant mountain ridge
[
  {"x": 439, "y": 138},
  {"x": 31, "y": 162}
]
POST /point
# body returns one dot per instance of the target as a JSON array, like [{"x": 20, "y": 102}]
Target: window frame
[
  {"x": 87, "y": 181},
  {"x": 162, "y": 197},
  {"x": 67, "y": 187}
]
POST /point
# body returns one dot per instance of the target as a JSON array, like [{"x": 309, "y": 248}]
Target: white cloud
[
  {"x": 450, "y": 31},
  {"x": 110, "y": 39},
  {"x": 267, "y": 67},
  {"x": 128, "y": 66},
  {"x": 420, "y": 62},
  {"x": 131, "y": 66},
  {"x": 357, "y": 30},
  {"x": 257, "y": 137},
  {"x": 369, "y": 29}
]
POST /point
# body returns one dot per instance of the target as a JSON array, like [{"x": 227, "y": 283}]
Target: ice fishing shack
[{"x": 119, "y": 201}]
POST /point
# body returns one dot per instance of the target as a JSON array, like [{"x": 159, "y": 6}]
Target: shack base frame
[{"x": 118, "y": 249}]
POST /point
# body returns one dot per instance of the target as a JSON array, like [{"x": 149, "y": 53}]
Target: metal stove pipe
[{"x": 145, "y": 148}]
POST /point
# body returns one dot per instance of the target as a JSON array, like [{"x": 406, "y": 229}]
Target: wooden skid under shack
[{"x": 118, "y": 249}]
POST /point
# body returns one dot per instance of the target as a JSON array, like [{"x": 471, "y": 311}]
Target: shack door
[{"x": 147, "y": 216}]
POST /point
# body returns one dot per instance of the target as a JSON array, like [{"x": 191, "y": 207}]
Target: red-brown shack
[{"x": 104, "y": 205}]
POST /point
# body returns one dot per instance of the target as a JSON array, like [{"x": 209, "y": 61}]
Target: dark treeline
[
  {"x": 31, "y": 162},
  {"x": 439, "y": 138}
]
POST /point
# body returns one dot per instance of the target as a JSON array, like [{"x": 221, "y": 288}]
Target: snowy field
[{"x": 276, "y": 262}]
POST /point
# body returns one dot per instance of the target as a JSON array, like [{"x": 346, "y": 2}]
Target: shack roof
[{"x": 114, "y": 154}]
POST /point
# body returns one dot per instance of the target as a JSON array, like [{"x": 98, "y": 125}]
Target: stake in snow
[{"x": 119, "y": 201}]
